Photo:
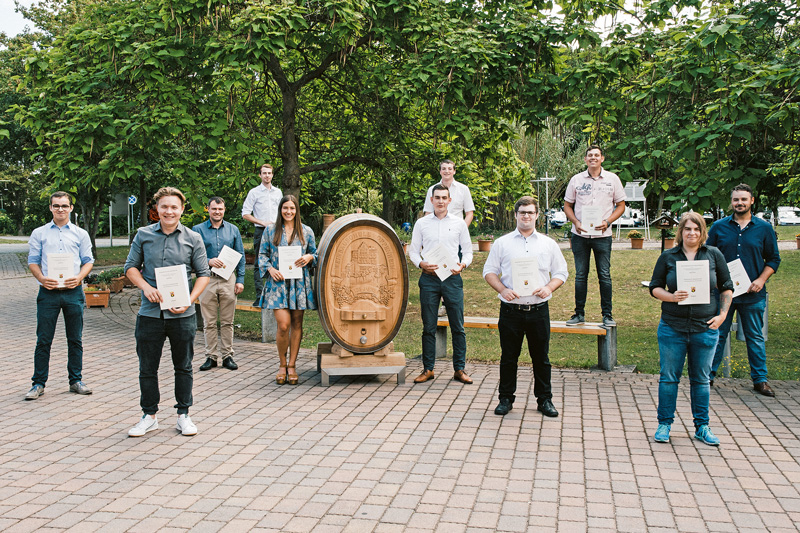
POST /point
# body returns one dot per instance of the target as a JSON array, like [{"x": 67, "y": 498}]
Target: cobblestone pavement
[{"x": 367, "y": 455}]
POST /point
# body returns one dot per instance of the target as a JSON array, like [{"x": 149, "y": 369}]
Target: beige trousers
[{"x": 218, "y": 297}]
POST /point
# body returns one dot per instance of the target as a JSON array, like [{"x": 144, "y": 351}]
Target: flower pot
[
  {"x": 327, "y": 220},
  {"x": 96, "y": 297},
  {"x": 405, "y": 247},
  {"x": 669, "y": 243},
  {"x": 484, "y": 246},
  {"x": 637, "y": 244},
  {"x": 117, "y": 284},
  {"x": 797, "y": 240},
  {"x": 249, "y": 259}
]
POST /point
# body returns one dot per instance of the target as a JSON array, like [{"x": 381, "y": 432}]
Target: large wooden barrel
[{"x": 361, "y": 283}]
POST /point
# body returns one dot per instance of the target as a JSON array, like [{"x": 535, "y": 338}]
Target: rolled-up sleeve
[
  {"x": 135, "y": 258},
  {"x": 659, "y": 278},
  {"x": 35, "y": 248},
  {"x": 199, "y": 257},
  {"x": 724, "y": 281},
  {"x": 86, "y": 249},
  {"x": 772, "y": 257},
  {"x": 558, "y": 265}
]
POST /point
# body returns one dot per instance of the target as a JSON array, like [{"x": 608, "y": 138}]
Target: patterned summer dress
[{"x": 290, "y": 293}]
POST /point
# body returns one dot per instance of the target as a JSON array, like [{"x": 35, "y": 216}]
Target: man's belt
[{"x": 524, "y": 307}]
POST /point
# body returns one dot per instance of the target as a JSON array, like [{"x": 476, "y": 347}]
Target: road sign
[{"x": 132, "y": 200}]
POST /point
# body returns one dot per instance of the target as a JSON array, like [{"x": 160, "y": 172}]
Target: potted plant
[
  {"x": 797, "y": 240},
  {"x": 637, "y": 239},
  {"x": 485, "y": 242},
  {"x": 404, "y": 235},
  {"x": 114, "y": 278},
  {"x": 96, "y": 291},
  {"x": 669, "y": 238}
]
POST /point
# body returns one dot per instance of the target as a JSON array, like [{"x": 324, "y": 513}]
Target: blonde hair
[
  {"x": 168, "y": 191},
  {"x": 697, "y": 218}
]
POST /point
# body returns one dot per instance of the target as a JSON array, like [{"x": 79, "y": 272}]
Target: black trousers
[{"x": 513, "y": 326}]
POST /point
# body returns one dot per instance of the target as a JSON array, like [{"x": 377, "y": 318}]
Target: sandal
[
  {"x": 280, "y": 379},
  {"x": 293, "y": 377}
]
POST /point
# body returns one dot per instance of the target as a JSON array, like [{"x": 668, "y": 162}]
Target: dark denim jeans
[
  {"x": 48, "y": 306},
  {"x": 673, "y": 347},
  {"x": 451, "y": 290},
  {"x": 513, "y": 326},
  {"x": 259, "y": 284},
  {"x": 150, "y": 336},
  {"x": 582, "y": 248},
  {"x": 751, "y": 320}
]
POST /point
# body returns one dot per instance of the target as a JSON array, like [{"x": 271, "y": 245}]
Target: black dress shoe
[
  {"x": 764, "y": 389},
  {"x": 208, "y": 365},
  {"x": 547, "y": 409},
  {"x": 503, "y": 407},
  {"x": 229, "y": 363}
]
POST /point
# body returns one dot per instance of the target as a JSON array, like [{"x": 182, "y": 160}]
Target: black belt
[{"x": 524, "y": 307}]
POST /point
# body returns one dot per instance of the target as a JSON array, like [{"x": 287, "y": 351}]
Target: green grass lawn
[{"x": 636, "y": 312}]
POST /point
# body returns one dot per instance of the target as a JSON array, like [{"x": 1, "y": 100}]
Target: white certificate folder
[
  {"x": 525, "y": 275},
  {"x": 591, "y": 217},
  {"x": 230, "y": 259},
  {"x": 693, "y": 277},
  {"x": 173, "y": 285},
  {"x": 444, "y": 259},
  {"x": 60, "y": 267},
  {"x": 741, "y": 281},
  {"x": 287, "y": 257}
]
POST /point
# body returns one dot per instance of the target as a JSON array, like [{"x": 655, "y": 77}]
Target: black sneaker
[
  {"x": 503, "y": 407},
  {"x": 576, "y": 320},
  {"x": 609, "y": 322},
  {"x": 208, "y": 365}
]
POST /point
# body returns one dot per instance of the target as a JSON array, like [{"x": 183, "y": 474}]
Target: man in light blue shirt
[
  {"x": 220, "y": 295},
  {"x": 261, "y": 208},
  {"x": 59, "y": 257}
]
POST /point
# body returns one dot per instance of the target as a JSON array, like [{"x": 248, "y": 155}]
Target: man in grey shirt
[{"x": 165, "y": 243}]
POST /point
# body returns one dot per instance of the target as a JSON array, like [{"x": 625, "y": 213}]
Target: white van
[{"x": 788, "y": 216}]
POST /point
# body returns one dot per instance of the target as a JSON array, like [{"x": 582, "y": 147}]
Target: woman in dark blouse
[{"x": 688, "y": 330}]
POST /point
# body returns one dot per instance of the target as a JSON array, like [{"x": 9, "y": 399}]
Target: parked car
[
  {"x": 630, "y": 218},
  {"x": 766, "y": 216},
  {"x": 557, "y": 218},
  {"x": 788, "y": 216}
]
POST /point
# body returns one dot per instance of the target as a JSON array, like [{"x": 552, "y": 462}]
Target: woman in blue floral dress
[{"x": 288, "y": 298}]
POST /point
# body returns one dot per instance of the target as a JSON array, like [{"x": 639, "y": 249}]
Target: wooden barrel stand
[{"x": 362, "y": 294}]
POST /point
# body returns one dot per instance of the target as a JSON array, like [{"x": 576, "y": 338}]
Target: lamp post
[{"x": 546, "y": 179}]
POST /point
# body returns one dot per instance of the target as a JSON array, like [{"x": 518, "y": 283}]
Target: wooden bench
[{"x": 606, "y": 336}]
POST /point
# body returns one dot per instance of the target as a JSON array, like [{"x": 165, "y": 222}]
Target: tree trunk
[{"x": 291, "y": 164}]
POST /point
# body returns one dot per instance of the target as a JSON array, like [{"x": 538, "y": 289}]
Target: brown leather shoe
[
  {"x": 424, "y": 376},
  {"x": 462, "y": 376},
  {"x": 764, "y": 389}
]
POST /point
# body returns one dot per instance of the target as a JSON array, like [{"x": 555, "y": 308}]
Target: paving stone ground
[{"x": 368, "y": 455}]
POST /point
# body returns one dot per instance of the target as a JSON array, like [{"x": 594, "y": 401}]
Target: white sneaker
[
  {"x": 146, "y": 424},
  {"x": 186, "y": 426}
]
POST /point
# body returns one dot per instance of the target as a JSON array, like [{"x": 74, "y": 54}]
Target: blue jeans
[
  {"x": 673, "y": 348},
  {"x": 48, "y": 306},
  {"x": 150, "y": 335},
  {"x": 513, "y": 326},
  {"x": 582, "y": 248},
  {"x": 751, "y": 320},
  {"x": 451, "y": 290}
]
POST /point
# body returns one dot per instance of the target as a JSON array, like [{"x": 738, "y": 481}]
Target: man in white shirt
[
  {"x": 594, "y": 189},
  {"x": 261, "y": 208},
  {"x": 527, "y": 315},
  {"x": 437, "y": 232},
  {"x": 59, "y": 257},
  {"x": 461, "y": 204}
]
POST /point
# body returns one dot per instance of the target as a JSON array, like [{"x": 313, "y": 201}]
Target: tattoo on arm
[{"x": 725, "y": 302}]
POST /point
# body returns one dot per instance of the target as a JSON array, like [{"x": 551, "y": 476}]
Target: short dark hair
[
  {"x": 440, "y": 187},
  {"x": 593, "y": 147},
  {"x": 448, "y": 162},
  {"x": 61, "y": 194},
  {"x": 526, "y": 200},
  {"x": 216, "y": 200},
  {"x": 743, "y": 187}
]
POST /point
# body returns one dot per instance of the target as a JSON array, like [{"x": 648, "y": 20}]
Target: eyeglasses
[
  {"x": 527, "y": 213},
  {"x": 57, "y": 206}
]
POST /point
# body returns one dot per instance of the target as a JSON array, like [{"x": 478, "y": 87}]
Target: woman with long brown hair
[{"x": 288, "y": 298}]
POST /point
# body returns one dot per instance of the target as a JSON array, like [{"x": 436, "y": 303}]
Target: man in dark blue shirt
[
  {"x": 167, "y": 243},
  {"x": 220, "y": 295},
  {"x": 753, "y": 241}
]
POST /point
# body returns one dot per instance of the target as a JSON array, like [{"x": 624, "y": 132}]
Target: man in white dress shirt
[
  {"x": 449, "y": 231},
  {"x": 261, "y": 208},
  {"x": 461, "y": 204},
  {"x": 522, "y": 316}
]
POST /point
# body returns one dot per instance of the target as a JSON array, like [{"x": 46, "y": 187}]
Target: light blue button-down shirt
[
  {"x": 226, "y": 235},
  {"x": 51, "y": 239}
]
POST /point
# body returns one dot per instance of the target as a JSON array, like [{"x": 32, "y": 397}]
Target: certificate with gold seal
[
  {"x": 444, "y": 259},
  {"x": 173, "y": 285},
  {"x": 525, "y": 275},
  {"x": 287, "y": 257},
  {"x": 693, "y": 277},
  {"x": 741, "y": 281},
  {"x": 60, "y": 267}
]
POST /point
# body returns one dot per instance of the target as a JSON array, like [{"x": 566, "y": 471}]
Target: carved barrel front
[{"x": 361, "y": 283}]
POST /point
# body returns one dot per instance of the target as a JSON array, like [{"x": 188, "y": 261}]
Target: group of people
[{"x": 593, "y": 200}]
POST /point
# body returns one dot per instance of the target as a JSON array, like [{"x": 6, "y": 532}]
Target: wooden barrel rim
[{"x": 328, "y": 240}]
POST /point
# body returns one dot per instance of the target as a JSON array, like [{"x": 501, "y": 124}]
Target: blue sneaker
[
  {"x": 662, "y": 433},
  {"x": 704, "y": 434}
]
